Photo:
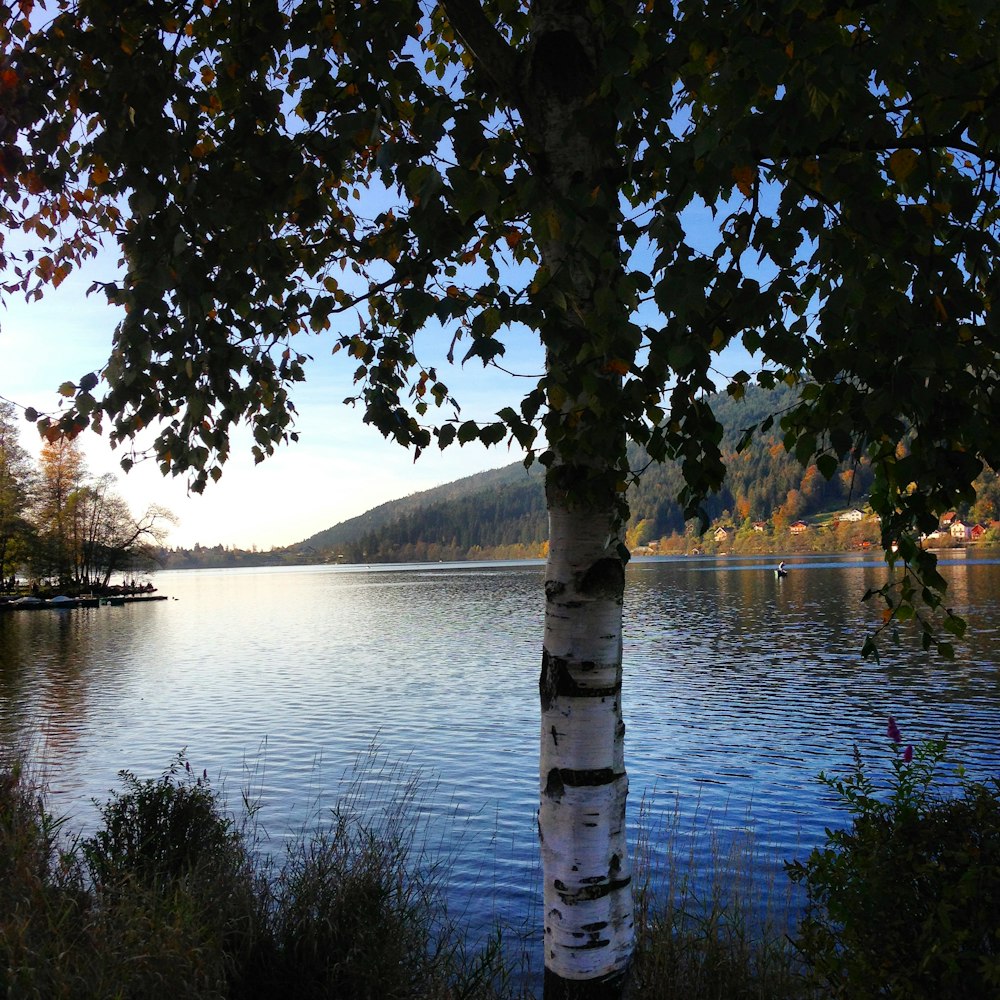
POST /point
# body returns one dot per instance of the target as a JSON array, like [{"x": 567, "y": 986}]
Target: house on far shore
[
  {"x": 721, "y": 534},
  {"x": 960, "y": 530},
  {"x": 948, "y": 519},
  {"x": 851, "y": 515},
  {"x": 760, "y": 526},
  {"x": 977, "y": 531},
  {"x": 799, "y": 527}
]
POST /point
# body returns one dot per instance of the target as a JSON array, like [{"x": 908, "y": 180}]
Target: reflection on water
[{"x": 739, "y": 688}]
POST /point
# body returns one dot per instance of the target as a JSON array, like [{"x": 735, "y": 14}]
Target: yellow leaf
[
  {"x": 99, "y": 174},
  {"x": 44, "y": 268},
  {"x": 744, "y": 177},
  {"x": 557, "y": 397},
  {"x": 902, "y": 163}
]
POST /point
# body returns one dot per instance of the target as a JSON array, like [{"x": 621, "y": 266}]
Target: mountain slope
[
  {"x": 506, "y": 507},
  {"x": 412, "y": 518}
]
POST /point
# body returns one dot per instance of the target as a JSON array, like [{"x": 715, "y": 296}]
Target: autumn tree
[
  {"x": 636, "y": 186},
  {"x": 17, "y": 475},
  {"x": 110, "y": 538},
  {"x": 62, "y": 474}
]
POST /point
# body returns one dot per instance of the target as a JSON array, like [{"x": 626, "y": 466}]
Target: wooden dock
[{"x": 67, "y": 604}]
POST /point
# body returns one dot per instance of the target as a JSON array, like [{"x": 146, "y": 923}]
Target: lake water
[{"x": 739, "y": 688}]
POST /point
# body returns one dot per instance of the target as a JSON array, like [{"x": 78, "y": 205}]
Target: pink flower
[
  {"x": 908, "y": 754},
  {"x": 892, "y": 731}
]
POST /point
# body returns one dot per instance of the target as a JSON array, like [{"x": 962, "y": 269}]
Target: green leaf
[
  {"x": 468, "y": 431},
  {"x": 445, "y": 435},
  {"x": 827, "y": 466},
  {"x": 493, "y": 433}
]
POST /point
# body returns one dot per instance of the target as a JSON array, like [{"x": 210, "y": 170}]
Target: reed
[
  {"x": 711, "y": 914},
  {"x": 175, "y": 897}
]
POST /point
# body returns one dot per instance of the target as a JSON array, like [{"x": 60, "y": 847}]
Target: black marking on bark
[
  {"x": 556, "y": 681},
  {"x": 591, "y": 892},
  {"x": 555, "y": 737},
  {"x": 604, "y": 579},
  {"x": 598, "y": 926},
  {"x": 548, "y": 682},
  {"x": 615, "y": 867},
  {"x": 554, "y": 785},
  {"x": 594, "y": 942},
  {"x": 553, "y": 588},
  {"x": 588, "y": 778}
]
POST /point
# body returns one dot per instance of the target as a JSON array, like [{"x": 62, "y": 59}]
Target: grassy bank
[{"x": 175, "y": 897}]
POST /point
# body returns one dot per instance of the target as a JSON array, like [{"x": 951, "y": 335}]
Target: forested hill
[
  {"x": 501, "y": 513},
  {"x": 491, "y": 508}
]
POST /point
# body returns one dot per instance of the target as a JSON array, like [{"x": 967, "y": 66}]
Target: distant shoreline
[{"x": 237, "y": 558}]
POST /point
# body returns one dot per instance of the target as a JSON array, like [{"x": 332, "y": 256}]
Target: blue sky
[{"x": 339, "y": 468}]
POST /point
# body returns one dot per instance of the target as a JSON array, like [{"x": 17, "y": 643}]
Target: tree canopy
[
  {"x": 636, "y": 186},
  {"x": 412, "y": 176}
]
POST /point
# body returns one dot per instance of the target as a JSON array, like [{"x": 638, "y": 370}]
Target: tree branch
[{"x": 485, "y": 43}]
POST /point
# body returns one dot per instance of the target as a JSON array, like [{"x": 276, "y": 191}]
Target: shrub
[
  {"x": 172, "y": 898},
  {"x": 158, "y": 831},
  {"x": 903, "y": 904}
]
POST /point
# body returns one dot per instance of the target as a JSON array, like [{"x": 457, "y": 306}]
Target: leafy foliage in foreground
[
  {"x": 397, "y": 179},
  {"x": 903, "y": 904},
  {"x": 169, "y": 899}
]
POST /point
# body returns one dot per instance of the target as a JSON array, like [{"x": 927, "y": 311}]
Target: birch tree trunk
[
  {"x": 588, "y": 917},
  {"x": 587, "y": 896}
]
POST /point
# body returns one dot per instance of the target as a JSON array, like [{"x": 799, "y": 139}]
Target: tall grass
[
  {"x": 709, "y": 930},
  {"x": 174, "y": 897}
]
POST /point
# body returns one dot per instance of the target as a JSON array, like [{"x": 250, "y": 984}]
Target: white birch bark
[
  {"x": 587, "y": 895},
  {"x": 589, "y": 934}
]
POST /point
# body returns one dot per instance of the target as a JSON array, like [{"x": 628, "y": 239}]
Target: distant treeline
[{"x": 501, "y": 514}]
